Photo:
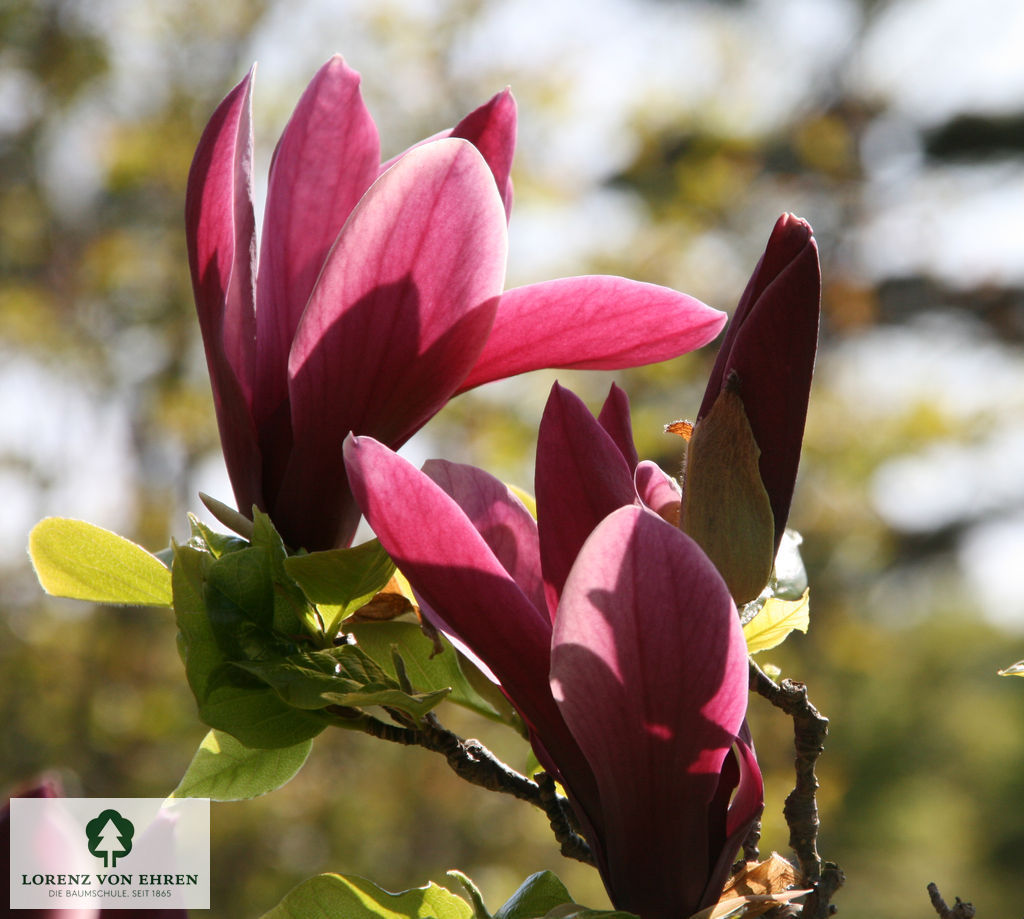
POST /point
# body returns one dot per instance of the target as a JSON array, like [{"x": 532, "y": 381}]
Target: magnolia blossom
[
  {"x": 607, "y": 627},
  {"x": 742, "y": 460},
  {"x": 378, "y": 294}
]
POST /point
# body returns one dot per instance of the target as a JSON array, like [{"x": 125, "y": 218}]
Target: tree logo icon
[{"x": 110, "y": 837}]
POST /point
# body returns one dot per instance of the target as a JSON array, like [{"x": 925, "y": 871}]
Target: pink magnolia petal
[
  {"x": 500, "y": 518},
  {"x": 221, "y": 239},
  {"x": 491, "y": 128},
  {"x": 448, "y": 562},
  {"x": 581, "y": 477},
  {"x": 596, "y": 322},
  {"x": 325, "y": 161},
  {"x": 614, "y": 418},
  {"x": 649, "y": 668},
  {"x": 399, "y": 314},
  {"x": 660, "y": 492}
]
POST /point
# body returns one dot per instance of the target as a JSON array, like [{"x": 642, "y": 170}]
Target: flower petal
[
  {"x": 649, "y": 669},
  {"x": 581, "y": 477},
  {"x": 491, "y": 128},
  {"x": 614, "y": 418},
  {"x": 660, "y": 492},
  {"x": 770, "y": 346},
  {"x": 447, "y": 561},
  {"x": 221, "y": 237},
  {"x": 596, "y": 322},
  {"x": 399, "y": 314},
  {"x": 325, "y": 161},
  {"x": 500, "y": 518}
]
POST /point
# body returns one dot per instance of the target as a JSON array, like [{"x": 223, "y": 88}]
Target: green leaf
[
  {"x": 225, "y": 770},
  {"x": 292, "y": 614},
  {"x": 536, "y": 897},
  {"x": 476, "y": 898},
  {"x": 339, "y": 676},
  {"x": 228, "y": 699},
  {"x": 332, "y": 896},
  {"x": 217, "y": 544},
  {"x": 415, "y": 704},
  {"x": 76, "y": 559},
  {"x": 342, "y": 580},
  {"x": 426, "y": 670}
]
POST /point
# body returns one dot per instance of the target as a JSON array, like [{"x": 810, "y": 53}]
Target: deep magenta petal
[
  {"x": 581, "y": 477},
  {"x": 399, "y": 314},
  {"x": 649, "y": 668},
  {"x": 614, "y": 418},
  {"x": 769, "y": 349},
  {"x": 449, "y": 563},
  {"x": 221, "y": 239},
  {"x": 325, "y": 161},
  {"x": 500, "y": 518},
  {"x": 592, "y": 323}
]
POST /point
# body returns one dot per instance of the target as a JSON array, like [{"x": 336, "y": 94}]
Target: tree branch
[
  {"x": 801, "y": 808},
  {"x": 472, "y": 761},
  {"x": 960, "y": 910}
]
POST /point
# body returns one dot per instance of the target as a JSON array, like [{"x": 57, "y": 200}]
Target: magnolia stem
[
  {"x": 801, "y": 808},
  {"x": 472, "y": 761}
]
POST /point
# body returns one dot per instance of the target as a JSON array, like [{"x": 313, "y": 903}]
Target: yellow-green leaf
[
  {"x": 82, "y": 561},
  {"x": 331, "y": 896},
  {"x": 223, "y": 769},
  {"x": 777, "y": 618}
]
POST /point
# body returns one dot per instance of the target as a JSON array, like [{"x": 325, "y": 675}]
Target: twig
[
  {"x": 960, "y": 910},
  {"x": 801, "y": 808},
  {"x": 472, "y": 761}
]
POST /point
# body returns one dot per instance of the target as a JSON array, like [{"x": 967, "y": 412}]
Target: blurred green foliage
[{"x": 922, "y": 779}]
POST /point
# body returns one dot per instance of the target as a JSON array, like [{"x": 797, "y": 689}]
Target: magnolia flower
[
  {"x": 610, "y": 631},
  {"x": 378, "y": 294},
  {"x": 743, "y": 454}
]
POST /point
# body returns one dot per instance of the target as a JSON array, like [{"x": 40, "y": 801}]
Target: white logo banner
[{"x": 110, "y": 853}]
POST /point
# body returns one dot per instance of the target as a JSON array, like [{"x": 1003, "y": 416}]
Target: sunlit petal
[
  {"x": 326, "y": 159},
  {"x": 221, "y": 238},
  {"x": 649, "y": 668},
  {"x": 594, "y": 322}
]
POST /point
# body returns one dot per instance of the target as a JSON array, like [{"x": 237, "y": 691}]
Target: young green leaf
[
  {"x": 76, "y": 559},
  {"x": 476, "y": 899},
  {"x": 228, "y": 698},
  {"x": 343, "y": 580},
  {"x": 537, "y": 896},
  {"x": 330, "y": 896},
  {"x": 426, "y": 669},
  {"x": 225, "y": 770},
  {"x": 217, "y": 544}
]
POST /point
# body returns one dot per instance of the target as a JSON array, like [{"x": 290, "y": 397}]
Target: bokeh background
[{"x": 660, "y": 140}]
